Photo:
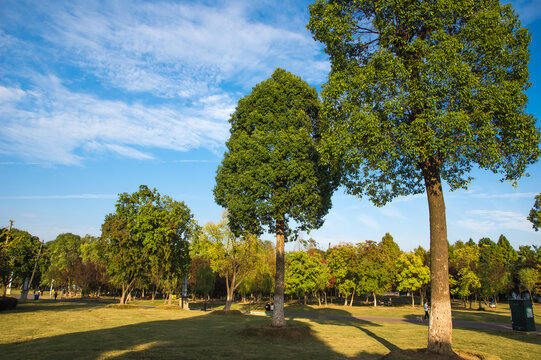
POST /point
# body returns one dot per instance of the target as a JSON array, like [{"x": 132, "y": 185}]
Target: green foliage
[
  {"x": 535, "y": 213},
  {"x": 374, "y": 276},
  {"x": 412, "y": 273},
  {"x": 232, "y": 257},
  {"x": 463, "y": 269},
  {"x": 492, "y": 270},
  {"x": 529, "y": 278},
  {"x": 436, "y": 82},
  {"x": 343, "y": 262},
  {"x": 65, "y": 259},
  {"x": 271, "y": 171},
  {"x": 18, "y": 255},
  {"x": 148, "y": 236},
  {"x": 204, "y": 281},
  {"x": 306, "y": 274}
]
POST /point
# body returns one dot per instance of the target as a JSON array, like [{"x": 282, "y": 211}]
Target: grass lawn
[{"x": 69, "y": 330}]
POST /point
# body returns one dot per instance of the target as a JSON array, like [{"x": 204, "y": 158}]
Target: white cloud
[
  {"x": 368, "y": 221},
  {"x": 178, "y": 49},
  {"x": 68, "y": 127},
  {"x": 162, "y": 75},
  {"x": 502, "y": 195},
  {"x": 485, "y": 221},
  {"x": 60, "y": 197}
]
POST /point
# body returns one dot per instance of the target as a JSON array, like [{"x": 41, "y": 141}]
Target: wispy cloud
[
  {"x": 67, "y": 127},
  {"x": 529, "y": 10},
  {"x": 484, "y": 221},
  {"x": 125, "y": 78},
  {"x": 59, "y": 197},
  {"x": 368, "y": 221},
  {"x": 502, "y": 195}
]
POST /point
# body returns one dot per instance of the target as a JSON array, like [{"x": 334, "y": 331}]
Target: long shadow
[
  {"x": 326, "y": 316},
  {"x": 197, "y": 337},
  {"x": 52, "y": 305},
  {"x": 344, "y": 317}
]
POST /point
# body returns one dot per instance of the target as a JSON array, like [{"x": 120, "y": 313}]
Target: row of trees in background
[{"x": 219, "y": 264}]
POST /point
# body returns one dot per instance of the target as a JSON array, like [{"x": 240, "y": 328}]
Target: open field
[{"x": 68, "y": 330}]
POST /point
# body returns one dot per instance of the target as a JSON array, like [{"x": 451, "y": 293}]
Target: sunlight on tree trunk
[
  {"x": 440, "y": 324},
  {"x": 278, "y": 316}
]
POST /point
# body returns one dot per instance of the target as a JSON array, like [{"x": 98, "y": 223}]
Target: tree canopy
[
  {"x": 148, "y": 236},
  {"x": 420, "y": 92}
]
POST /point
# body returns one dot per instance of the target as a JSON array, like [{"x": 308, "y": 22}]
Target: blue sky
[{"x": 97, "y": 98}]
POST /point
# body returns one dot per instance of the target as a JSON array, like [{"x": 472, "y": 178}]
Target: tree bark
[
  {"x": 440, "y": 328},
  {"x": 278, "y": 315}
]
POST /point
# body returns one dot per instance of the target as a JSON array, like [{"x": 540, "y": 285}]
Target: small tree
[
  {"x": 232, "y": 257},
  {"x": 528, "y": 279},
  {"x": 412, "y": 274},
  {"x": 343, "y": 263},
  {"x": 271, "y": 173}
]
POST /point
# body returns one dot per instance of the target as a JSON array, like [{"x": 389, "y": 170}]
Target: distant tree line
[{"x": 151, "y": 243}]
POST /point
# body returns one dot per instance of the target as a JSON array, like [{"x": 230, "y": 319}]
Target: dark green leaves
[
  {"x": 271, "y": 170},
  {"x": 424, "y": 79}
]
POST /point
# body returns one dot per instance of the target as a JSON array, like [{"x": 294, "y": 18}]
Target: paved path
[{"x": 456, "y": 323}]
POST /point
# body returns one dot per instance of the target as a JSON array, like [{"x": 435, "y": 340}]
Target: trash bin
[
  {"x": 36, "y": 297},
  {"x": 522, "y": 315}
]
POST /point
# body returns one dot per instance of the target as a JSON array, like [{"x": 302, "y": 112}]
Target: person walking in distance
[{"x": 426, "y": 311}]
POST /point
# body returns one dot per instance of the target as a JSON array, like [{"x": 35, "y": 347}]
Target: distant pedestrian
[
  {"x": 55, "y": 293},
  {"x": 426, "y": 311}
]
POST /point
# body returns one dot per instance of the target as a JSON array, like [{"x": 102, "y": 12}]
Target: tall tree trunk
[
  {"x": 352, "y": 297},
  {"x": 375, "y": 300},
  {"x": 440, "y": 331},
  {"x": 278, "y": 315},
  {"x": 413, "y": 300},
  {"x": 346, "y": 302}
]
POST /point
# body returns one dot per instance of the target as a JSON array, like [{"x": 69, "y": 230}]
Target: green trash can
[{"x": 522, "y": 315}]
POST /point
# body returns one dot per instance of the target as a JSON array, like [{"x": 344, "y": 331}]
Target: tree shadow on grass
[
  {"x": 52, "y": 305},
  {"x": 196, "y": 337}
]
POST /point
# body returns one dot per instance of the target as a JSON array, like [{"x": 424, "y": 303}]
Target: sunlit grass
[{"x": 69, "y": 330}]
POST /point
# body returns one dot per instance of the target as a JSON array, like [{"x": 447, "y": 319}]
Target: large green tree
[
  {"x": 420, "y": 92},
  {"x": 147, "y": 237},
  {"x": 271, "y": 174}
]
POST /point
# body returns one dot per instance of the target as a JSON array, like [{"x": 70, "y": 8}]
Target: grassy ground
[{"x": 68, "y": 330}]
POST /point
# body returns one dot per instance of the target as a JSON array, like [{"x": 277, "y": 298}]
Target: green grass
[{"x": 69, "y": 330}]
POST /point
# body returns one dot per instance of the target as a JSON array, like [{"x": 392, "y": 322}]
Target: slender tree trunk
[
  {"x": 412, "y": 300},
  {"x": 346, "y": 302},
  {"x": 123, "y": 296},
  {"x": 352, "y": 297},
  {"x": 229, "y": 298},
  {"x": 278, "y": 315},
  {"x": 440, "y": 329},
  {"x": 375, "y": 300}
]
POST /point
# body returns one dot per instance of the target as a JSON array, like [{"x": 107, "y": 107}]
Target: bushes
[{"x": 7, "y": 303}]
